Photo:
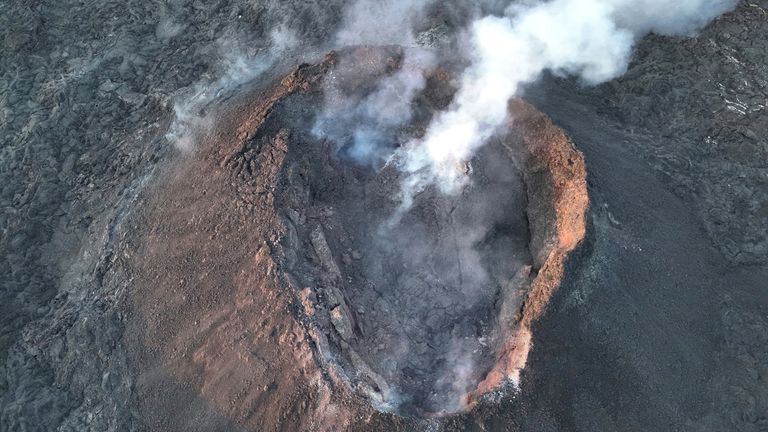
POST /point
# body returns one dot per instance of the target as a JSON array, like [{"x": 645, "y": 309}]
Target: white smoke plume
[
  {"x": 364, "y": 127},
  {"x": 380, "y": 22},
  {"x": 591, "y": 39}
]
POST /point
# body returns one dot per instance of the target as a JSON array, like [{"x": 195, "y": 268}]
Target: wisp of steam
[{"x": 190, "y": 119}]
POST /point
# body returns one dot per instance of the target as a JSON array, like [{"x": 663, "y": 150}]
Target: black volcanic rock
[{"x": 659, "y": 323}]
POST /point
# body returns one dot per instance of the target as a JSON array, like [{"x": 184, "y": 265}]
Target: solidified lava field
[{"x": 202, "y": 224}]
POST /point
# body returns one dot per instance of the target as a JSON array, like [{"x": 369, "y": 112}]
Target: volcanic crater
[{"x": 424, "y": 313}]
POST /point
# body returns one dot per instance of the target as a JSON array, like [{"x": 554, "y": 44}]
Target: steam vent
[{"x": 423, "y": 314}]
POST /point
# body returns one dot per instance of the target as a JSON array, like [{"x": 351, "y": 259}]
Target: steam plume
[
  {"x": 591, "y": 39},
  {"x": 364, "y": 128},
  {"x": 376, "y": 22}
]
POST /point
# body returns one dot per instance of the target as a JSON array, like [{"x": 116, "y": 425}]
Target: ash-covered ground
[{"x": 661, "y": 322}]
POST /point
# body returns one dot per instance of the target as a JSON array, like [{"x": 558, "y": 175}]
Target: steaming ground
[
  {"x": 660, "y": 324},
  {"x": 418, "y": 299}
]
